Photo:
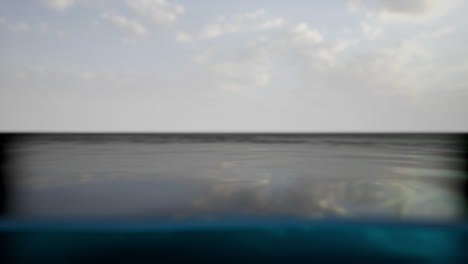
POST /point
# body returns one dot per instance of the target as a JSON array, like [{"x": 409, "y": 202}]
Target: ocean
[{"x": 169, "y": 177}]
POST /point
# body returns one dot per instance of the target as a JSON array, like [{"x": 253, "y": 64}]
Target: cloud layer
[
  {"x": 235, "y": 59},
  {"x": 414, "y": 10},
  {"x": 12, "y": 26},
  {"x": 59, "y": 5},
  {"x": 160, "y": 12},
  {"x": 259, "y": 20},
  {"x": 128, "y": 25}
]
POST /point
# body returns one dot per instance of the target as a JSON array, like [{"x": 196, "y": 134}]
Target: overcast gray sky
[{"x": 233, "y": 66}]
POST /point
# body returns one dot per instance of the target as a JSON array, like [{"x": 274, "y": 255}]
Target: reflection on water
[{"x": 209, "y": 177}]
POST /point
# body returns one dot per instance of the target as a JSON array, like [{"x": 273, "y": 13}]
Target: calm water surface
[{"x": 167, "y": 177}]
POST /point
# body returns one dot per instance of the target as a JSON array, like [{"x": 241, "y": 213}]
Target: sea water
[{"x": 171, "y": 177}]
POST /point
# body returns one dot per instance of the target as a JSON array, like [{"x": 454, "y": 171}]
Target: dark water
[{"x": 223, "y": 176}]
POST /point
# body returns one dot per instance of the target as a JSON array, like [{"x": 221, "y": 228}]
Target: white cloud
[
  {"x": 211, "y": 31},
  {"x": 251, "y": 66},
  {"x": 443, "y": 32},
  {"x": 161, "y": 12},
  {"x": 242, "y": 69},
  {"x": 407, "y": 67},
  {"x": 371, "y": 31},
  {"x": 302, "y": 34},
  {"x": 307, "y": 45},
  {"x": 258, "y": 20},
  {"x": 415, "y": 8},
  {"x": 59, "y": 5},
  {"x": 22, "y": 27},
  {"x": 354, "y": 6},
  {"x": 14, "y": 27},
  {"x": 342, "y": 44},
  {"x": 407, "y": 10},
  {"x": 128, "y": 25},
  {"x": 182, "y": 37},
  {"x": 400, "y": 68}
]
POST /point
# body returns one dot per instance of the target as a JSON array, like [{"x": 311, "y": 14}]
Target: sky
[{"x": 233, "y": 66}]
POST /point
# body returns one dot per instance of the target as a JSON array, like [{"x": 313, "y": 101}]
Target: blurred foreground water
[{"x": 209, "y": 177}]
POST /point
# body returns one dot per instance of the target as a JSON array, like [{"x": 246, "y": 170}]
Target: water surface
[{"x": 222, "y": 176}]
